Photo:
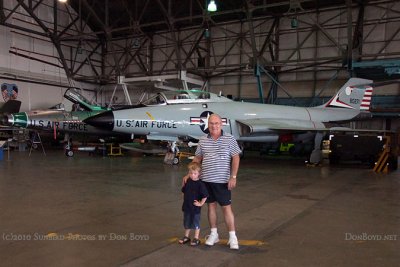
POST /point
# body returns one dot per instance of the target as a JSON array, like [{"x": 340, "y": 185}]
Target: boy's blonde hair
[{"x": 194, "y": 166}]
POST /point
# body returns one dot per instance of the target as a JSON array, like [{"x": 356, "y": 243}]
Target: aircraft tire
[
  {"x": 175, "y": 161},
  {"x": 241, "y": 154}
]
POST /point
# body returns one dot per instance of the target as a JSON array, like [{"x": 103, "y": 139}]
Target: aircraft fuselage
[
  {"x": 58, "y": 120},
  {"x": 192, "y": 119}
]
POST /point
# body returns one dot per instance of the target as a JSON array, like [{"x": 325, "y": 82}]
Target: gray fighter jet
[{"x": 247, "y": 122}]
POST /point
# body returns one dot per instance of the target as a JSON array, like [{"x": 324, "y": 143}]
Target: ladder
[
  {"x": 382, "y": 165},
  {"x": 35, "y": 141},
  {"x": 115, "y": 150}
]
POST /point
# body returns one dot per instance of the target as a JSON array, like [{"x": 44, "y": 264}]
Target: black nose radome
[{"x": 103, "y": 120}]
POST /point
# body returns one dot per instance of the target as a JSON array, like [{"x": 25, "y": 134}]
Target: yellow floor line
[{"x": 225, "y": 241}]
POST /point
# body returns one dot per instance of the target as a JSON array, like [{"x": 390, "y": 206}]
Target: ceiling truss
[{"x": 95, "y": 47}]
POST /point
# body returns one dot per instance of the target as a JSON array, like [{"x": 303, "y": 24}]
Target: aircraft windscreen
[
  {"x": 182, "y": 97},
  {"x": 157, "y": 99},
  {"x": 190, "y": 94}
]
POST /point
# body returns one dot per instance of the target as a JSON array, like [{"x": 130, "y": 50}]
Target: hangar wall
[
  {"x": 36, "y": 96},
  {"x": 16, "y": 69},
  {"x": 31, "y": 61}
]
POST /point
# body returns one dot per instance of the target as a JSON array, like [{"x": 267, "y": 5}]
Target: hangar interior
[
  {"x": 113, "y": 211},
  {"x": 93, "y": 46}
]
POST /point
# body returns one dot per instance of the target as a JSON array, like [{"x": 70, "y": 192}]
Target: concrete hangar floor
[{"x": 126, "y": 211}]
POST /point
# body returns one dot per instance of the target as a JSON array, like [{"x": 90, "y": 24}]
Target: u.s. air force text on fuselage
[
  {"x": 146, "y": 124},
  {"x": 77, "y": 126}
]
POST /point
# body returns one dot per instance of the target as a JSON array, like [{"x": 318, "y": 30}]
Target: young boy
[{"x": 194, "y": 196}]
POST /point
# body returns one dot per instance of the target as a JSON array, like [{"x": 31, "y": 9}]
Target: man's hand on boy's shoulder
[{"x": 184, "y": 179}]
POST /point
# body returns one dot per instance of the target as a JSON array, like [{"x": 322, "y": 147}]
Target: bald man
[{"x": 218, "y": 152}]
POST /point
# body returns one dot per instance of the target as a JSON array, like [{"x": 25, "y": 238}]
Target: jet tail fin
[
  {"x": 355, "y": 94},
  {"x": 11, "y": 106}
]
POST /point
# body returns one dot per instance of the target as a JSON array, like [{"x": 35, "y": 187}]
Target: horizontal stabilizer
[{"x": 349, "y": 130}]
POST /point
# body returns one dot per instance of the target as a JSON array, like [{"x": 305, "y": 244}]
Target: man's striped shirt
[{"x": 217, "y": 154}]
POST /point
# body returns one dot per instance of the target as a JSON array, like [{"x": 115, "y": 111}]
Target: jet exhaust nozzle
[{"x": 6, "y": 120}]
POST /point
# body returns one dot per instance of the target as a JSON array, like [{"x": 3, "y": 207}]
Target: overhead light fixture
[
  {"x": 294, "y": 23},
  {"x": 293, "y": 8},
  {"x": 62, "y": 1},
  {"x": 212, "y": 7}
]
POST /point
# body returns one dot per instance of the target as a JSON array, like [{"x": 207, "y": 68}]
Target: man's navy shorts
[{"x": 218, "y": 192}]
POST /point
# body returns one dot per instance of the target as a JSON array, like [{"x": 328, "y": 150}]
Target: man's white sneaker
[
  {"x": 212, "y": 239},
  {"x": 233, "y": 243}
]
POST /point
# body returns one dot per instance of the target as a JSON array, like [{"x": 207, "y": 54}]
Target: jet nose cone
[{"x": 103, "y": 120}]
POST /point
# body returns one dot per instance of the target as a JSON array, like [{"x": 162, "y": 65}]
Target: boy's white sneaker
[
  {"x": 233, "y": 243},
  {"x": 212, "y": 239}
]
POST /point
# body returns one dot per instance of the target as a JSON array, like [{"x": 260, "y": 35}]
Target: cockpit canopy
[
  {"x": 184, "y": 97},
  {"x": 75, "y": 97}
]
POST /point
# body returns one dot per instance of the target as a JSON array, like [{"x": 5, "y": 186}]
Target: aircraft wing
[
  {"x": 144, "y": 148},
  {"x": 266, "y": 125},
  {"x": 155, "y": 136},
  {"x": 159, "y": 137},
  {"x": 196, "y": 137}
]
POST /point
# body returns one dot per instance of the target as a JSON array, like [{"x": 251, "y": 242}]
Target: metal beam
[
  {"x": 357, "y": 46},
  {"x": 249, "y": 15},
  {"x": 87, "y": 59},
  {"x": 52, "y": 36},
  {"x": 4, "y": 18},
  {"x": 267, "y": 40},
  {"x": 349, "y": 34},
  {"x": 173, "y": 32}
]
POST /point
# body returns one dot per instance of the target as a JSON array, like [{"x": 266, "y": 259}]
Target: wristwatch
[{"x": 233, "y": 176}]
